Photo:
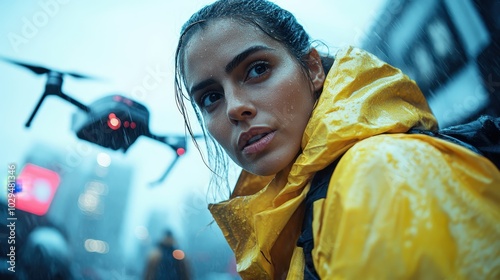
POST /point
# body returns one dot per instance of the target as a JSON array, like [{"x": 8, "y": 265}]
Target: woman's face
[{"x": 254, "y": 96}]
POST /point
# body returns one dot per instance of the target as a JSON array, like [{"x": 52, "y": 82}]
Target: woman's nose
[{"x": 239, "y": 107}]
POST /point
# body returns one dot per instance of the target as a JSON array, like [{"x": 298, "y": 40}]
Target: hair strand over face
[{"x": 274, "y": 21}]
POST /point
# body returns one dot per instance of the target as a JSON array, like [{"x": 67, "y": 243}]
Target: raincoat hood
[{"x": 362, "y": 97}]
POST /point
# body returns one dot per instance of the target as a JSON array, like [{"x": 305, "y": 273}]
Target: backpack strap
[
  {"x": 319, "y": 187},
  {"x": 481, "y": 136}
]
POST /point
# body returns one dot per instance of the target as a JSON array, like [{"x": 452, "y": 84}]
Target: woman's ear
[{"x": 316, "y": 71}]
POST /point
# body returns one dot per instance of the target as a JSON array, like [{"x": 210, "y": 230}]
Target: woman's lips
[
  {"x": 260, "y": 144},
  {"x": 250, "y": 135}
]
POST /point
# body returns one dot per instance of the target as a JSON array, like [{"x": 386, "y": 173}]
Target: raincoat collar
[{"x": 362, "y": 96}]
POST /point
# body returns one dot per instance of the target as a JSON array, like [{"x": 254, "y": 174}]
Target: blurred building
[
  {"x": 449, "y": 47},
  {"x": 89, "y": 205}
]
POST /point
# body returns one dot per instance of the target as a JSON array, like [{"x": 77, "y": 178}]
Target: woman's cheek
[{"x": 219, "y": 132}]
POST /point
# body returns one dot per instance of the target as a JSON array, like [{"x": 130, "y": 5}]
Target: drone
[{"x": 114, "y": 122}]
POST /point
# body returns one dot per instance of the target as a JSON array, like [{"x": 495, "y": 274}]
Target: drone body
[{"x": 114, "y": 122}]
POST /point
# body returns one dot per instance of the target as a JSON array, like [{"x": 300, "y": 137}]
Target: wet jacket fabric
[{"x": 398, "y": 205}]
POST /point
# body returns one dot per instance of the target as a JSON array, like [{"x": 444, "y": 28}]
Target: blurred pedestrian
[{"x": 166, "y": 261}]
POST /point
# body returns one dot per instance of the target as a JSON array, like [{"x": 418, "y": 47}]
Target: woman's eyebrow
[
  {"x": 244, "y": 54},
  {"x": 201, "y": 85},
  {"x": 230, "y": 66}
]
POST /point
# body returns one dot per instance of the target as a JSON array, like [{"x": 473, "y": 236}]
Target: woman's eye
[
  {"x": 208, "y": 99},
  {"x": 257, "y": 70}
]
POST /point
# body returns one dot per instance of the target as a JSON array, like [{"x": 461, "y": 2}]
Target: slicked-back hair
[{"x": 276, "y": 22}]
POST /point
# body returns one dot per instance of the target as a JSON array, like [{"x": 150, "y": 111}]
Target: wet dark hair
[{"x": 276, "y": 22}]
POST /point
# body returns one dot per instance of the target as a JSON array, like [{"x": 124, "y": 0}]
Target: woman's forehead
[
  {"x": 222, "y": 40},
  {"x": 226, "y": 30}
]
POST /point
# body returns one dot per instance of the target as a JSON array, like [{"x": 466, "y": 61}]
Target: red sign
[{"x": 36, "y": 189}]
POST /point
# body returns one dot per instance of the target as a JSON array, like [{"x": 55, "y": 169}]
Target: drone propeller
[
  {"x": 53, "y": 85},
  {"x": 42, "y": 70},
  {"x": 35, "y": 69}
]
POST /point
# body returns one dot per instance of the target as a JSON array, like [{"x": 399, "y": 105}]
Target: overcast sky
[{"x": 122, "y": 43}]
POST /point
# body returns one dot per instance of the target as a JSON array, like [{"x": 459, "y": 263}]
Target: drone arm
[
  {"x": 61, "y": 95},
  {"x": 28, "y": 123},
  {"x": 174, "y": 142},
  {"x": 162, "y": 178},
  {"x": 74, "y": 102},
  {"x": 177, "y": 143}
]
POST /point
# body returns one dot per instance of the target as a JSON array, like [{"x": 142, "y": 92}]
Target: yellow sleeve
[{"x": 409, "y": 207}]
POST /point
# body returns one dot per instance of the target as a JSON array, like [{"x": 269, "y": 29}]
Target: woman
[{"x": 397, "y": 205}]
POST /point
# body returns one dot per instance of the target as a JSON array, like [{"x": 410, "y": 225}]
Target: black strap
[
  {"x": 319, "y": 187},
  {"x": 481, "y": 136}
]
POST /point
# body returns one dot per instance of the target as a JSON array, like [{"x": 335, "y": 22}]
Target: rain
[{"x": 96, "y": 204}]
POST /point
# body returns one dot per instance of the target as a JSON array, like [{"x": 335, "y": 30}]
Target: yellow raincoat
[{"x": 398, "y": 205}]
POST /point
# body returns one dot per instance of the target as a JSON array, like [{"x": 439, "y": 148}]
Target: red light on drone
[
  {"x": 117, "y": 98},
  {"x": 113, "y": 122},
  {"x": 180, "y": 151},
  {"x": 126, "y": 124},
  {"x": 132, "y": 125}
]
